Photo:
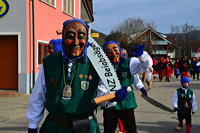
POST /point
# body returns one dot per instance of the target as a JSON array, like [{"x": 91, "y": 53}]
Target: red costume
[
  {"x": 160, "y": 68},
  {"x": 185, "y": 68},
  {"x": 176, "y": 68},
  {"x": 154, "y": 67},
  {"x": 121, "y": 127},
  {"x": 168, "y": 70}
]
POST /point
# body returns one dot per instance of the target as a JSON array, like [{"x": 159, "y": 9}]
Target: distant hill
[{"x": 101, "y": 39}]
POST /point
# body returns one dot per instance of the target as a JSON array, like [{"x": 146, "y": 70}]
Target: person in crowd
[
  {"x": 160, "y": 68},
  {"x": 154, "y": 68},
  {"x": 193, "y": 60},
  {"x": 137, "y": 83},
  {"x": 149, "y": 77},
  {"x": 126, "y": 68},
  {"x": 55, "y": 45},
  {"x": 66, "y": 86},
  {"x": 185, "y": 66},
  {"x": 176, "y": 68},
  {"x": 168, "y": 69},
  {"x": 124, "y": 53},
  {"x": 195, "y": 66},
  {"x": 184, "y": 102}
]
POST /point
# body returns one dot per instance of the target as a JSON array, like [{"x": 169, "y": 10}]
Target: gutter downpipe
[{"x": 33, "y": 26}]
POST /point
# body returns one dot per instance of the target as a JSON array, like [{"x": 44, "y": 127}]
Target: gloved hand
[
  {"x": 121, "y": 94},
  {"x": 143, "y": 90},
  {"x": 138, "y": 50},
  {"x": 193, "y": 112},
  {"x": 176, "y": 109},
  {"x": 32, "y": 130}
]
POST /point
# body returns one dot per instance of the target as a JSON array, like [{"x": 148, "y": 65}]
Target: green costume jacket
[
  {"x": 126, "y": 79},
  {"x": 184, "y": 100},
  {"x": 83, "y": 81}
]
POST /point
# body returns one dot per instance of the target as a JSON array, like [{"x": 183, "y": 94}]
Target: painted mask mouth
[
  {"x": 76, "y": 47},
  {"x": 115, "y": 56}
]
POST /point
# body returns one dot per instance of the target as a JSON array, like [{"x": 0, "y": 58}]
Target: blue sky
[{"x": 164, "y": 13}]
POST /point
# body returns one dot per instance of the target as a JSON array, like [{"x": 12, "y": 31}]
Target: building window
[
  {"x": 42, "y": 52},
  {"x": 153, "y": 38},
  {"x": 145, "y": 38},
  {"x": 68, "y": 7},
  {"x": 50, "y": 2}
]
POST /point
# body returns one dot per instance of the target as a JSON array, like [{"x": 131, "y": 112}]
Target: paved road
[{"x": 149, "y": 118}]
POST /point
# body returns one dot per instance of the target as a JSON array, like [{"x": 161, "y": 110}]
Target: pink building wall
[
  {"x": 47, "y": 20},
  {"x": 29, "y": 36}
]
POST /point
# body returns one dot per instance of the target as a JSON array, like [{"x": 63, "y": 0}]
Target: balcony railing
[
  {"x": 159, "y": 52},
  {"x": 159, "y": 43}
]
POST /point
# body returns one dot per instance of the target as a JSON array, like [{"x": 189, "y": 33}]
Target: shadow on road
[{"x": 163, "y": 127}]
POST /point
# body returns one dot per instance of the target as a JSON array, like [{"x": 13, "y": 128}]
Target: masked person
[
  {"x": 66, "y": 86},
  {"x": 124, "y": 53},
  {"x": 161, "y": 65},
  {"x": 184, "y": 102},
  {"x": 176, "y": 68},
  {"x": 138, "y": 85},
  {"x": 125, "y": 68},
  {"x": 168, "y": 69},
  {"x": 184, "y": 67},
  {"x": 55, "y": 45}
]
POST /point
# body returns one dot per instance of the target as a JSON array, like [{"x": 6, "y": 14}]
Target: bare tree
[
  {"x": 133, "y": 25},
  {"x": 175, "y": 32},
  {"x": 130, "y": 26},
  {"x": 184, "y": 36}
]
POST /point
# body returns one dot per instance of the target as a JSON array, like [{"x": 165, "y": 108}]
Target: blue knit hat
[
  {"x": 185, "y": 79},
  {"x": 109, "y": 42},
  {"x": 57, "y": 45},
  {"x": 121, "y": 53},
  {"x": 63, "y": 43}
]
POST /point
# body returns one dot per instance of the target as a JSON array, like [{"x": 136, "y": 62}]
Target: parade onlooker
[
  {"x": 126, "y": 68},
  {"x": 64, "y": 88},
  {"x": 176, "y": 68},
  {"x": 161, "y": 65},
  {"x": 192, "y": 65},
  {"x": 184, "y": 102},
  {"x": 184, "y": 67},
  {"x": 168, "y": 69},
  {"x": 154, "y": 68},
  {"x": 196, "y": 68},
  {"x": 55, "y": 45}
]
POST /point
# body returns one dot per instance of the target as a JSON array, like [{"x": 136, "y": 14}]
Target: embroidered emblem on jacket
[
  {"x": 182, "y": 95},
  {"x": 124, "y": 74},
  {"x": 81, "y": 76},
  {"x": 90, "y": 77},
  {"x": 84, "y": 85},
  {"x": 85, "y": 76}
]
